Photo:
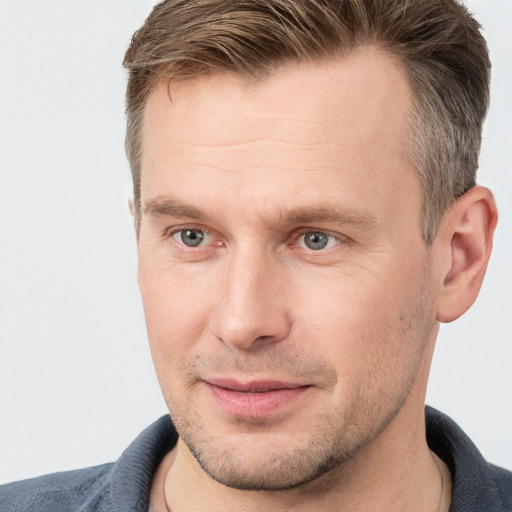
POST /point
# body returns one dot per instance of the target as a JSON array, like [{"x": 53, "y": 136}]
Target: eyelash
[{"x": 171, "y": 232}]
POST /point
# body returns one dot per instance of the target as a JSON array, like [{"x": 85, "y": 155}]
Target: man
[{"x": 306, "y": 214}]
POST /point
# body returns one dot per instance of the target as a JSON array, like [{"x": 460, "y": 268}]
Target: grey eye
[
  {"x": 316, "y": 240},
  {"x": 191, "y": 237}
]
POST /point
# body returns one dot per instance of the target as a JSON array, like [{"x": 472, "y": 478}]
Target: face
[{"x": 286, "y": 285}]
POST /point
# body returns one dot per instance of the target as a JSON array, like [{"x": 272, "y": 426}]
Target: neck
[{"x": 385, "y": 476}]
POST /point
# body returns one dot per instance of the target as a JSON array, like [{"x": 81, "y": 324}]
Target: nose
[{"x": 252, "y": 310}]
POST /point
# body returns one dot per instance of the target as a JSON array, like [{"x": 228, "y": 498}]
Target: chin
[{"x": 266, "y": 462}]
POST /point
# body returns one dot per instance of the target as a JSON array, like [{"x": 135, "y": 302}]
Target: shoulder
[
  {"x": 71, "y": 490},
  {"x": 501, "y": 485},
  {"x": 118, "y": 487},
  {"x": 477, "y": 485}
]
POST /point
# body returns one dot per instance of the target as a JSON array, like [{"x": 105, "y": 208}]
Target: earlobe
[
  {"x": 467, "y": 234},
  {"x": 131, "y": 207}
]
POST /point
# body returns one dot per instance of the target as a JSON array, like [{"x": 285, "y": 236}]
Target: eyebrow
[
  {"x": 165, "y": 206},
  {"x": 333, "y": 213},
  {"x": 162, "y": 206}
]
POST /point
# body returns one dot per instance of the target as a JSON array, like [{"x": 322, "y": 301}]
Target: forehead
[
  {"x": 362, "y": 88},
  {"x": 336, "y": 125}
]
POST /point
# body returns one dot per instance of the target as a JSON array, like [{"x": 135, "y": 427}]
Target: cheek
[
  {"x": 372, "y": 318},
  {"x": 346, "y": 302},
  {"x": 176, "y": 308}
]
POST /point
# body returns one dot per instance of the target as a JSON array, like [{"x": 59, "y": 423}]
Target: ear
[
  {"x": 131, "y": 207},
  {"x": 465, "y": 238}
]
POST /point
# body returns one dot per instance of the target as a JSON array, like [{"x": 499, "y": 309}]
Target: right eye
[{"x": 191, "y": 237}]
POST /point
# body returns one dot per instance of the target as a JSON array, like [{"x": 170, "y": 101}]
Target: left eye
[
  {"x": 316, "y": 241},
  {"x": 190, "y": 237}
]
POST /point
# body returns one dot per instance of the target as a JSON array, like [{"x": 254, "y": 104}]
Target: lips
[{"x": 254, "y": 399}]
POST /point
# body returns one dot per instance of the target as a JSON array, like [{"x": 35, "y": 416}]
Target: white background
[{"x": 76, "y": 379}]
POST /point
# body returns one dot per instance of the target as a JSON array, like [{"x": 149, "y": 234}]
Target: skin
[{"x": 252, "y": 168}]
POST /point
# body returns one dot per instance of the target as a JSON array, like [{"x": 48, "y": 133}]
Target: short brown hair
[{"x": 437, "y": 41}]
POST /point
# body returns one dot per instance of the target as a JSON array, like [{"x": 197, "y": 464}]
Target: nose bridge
[{"x": 251, "y": 306}]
